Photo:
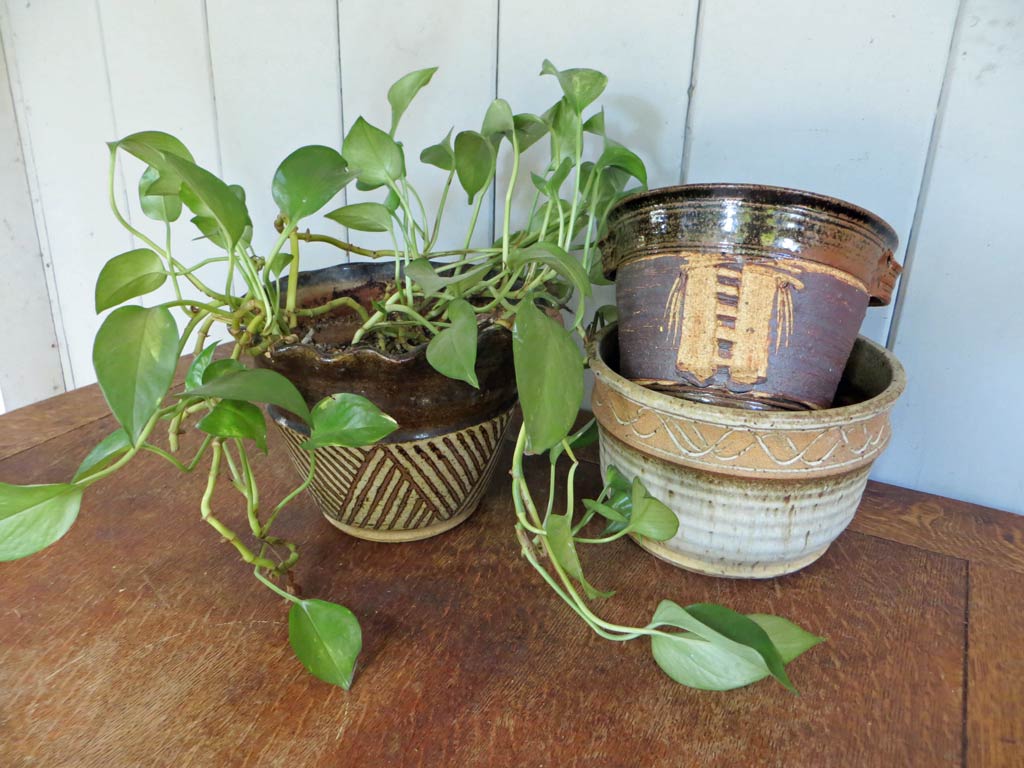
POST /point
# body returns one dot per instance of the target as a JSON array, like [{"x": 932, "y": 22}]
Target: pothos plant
[{"x": 438, "y": 300}]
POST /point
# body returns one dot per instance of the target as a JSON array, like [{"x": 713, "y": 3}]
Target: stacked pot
[{"x": 735, "y": 384}]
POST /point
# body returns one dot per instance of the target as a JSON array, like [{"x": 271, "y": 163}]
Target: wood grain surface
[
  {"x": 995, "y": 668},
  {"x": 139, "y": 639}
]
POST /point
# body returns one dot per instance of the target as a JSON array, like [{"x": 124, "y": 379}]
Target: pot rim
[
  {"x": 761, "y": 194},
  {"x": 333, "y": 355},
  {"x": 363, "y": 272},
  {"x": 737, "y": 417}
]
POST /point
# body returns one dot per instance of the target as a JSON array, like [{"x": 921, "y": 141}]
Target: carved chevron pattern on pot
[
  {"x": 403, "y": 486},
  {"x": 758, "y": 452}
]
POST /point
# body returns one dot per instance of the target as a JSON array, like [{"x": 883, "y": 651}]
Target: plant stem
[
  {"x": 508, "y": 199},
  {"x": 476, "y": 211},
  {"x": 273, "y": 587},
  {"x": 293, "y": 281},
  {"x": 341, "y": 301},
  {"x": 171, "y": 262},
  {"x": 606, "y": 539},
  {"x": 175, "y": 461},
  {"x": 223, "y": 530},
  {"x": 344, "y": 246},
  {"x": 288, "y": 499},
  {"x": 440, "y": 210},
  {"x": 252, "y": 492}
]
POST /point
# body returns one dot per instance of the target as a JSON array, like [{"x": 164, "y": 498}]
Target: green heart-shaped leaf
[
  {"x": 609, "y": 513},
  {"x": 256, "y": 385},
  {"x": 529, "y": 130},
  {"x": 135, "y": 353},
  {"x": 550, "y": 255},
  {"x": 422, "y": 272},
  {"x": 158, "y": 207},
  {"x": 34, "y": 516},
  {"x": 217, "y": 198},
  {"x": 128, "y": 275},
  {"x": 738, "y": 628},
  {"x": 373, "y": 155},
  {"x": 207, "y": 224},
  {"x": 440, "y": 155},
  {"x": 452, "y": 352},
  {"x": 617, "y": 156},
  {"x": 326, "y": 638},
  {"x": 348, "y": 420},
  {"x": 564, "y": 123},
  {"x": 215, "y": 370},
  {"x": 787, "y": 637},
  {"x": 549, "y": 375},
  {"x": 581, "y": 86},
  {"x": 236, "y": 418},
  {"x": 498, "y": 120},
  {"x": 595, "y": 123},
  {"x": 697, "y": 662},
  {"x": 613, "y": 478},
  {"x": 194, "y": 377},
  {"x": 649, "y": 517},
  {"x": 365, "y": 217},
  {"x": 307, "y": 179},
  {"x": 559, "y": 534},
  {"x": 474, "y": 162},
  {"x": 113, "y": 445},
  {"x": 402, "y": 92},
  {"x": 153, "y": 147}
]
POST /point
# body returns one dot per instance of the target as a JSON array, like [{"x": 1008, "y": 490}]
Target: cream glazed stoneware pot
[{"x": 758, "y": 493}]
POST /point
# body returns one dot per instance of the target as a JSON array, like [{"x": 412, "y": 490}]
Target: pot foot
[
  {"x": 401, "y": 536},
  {"x": 727, "y": 570}
]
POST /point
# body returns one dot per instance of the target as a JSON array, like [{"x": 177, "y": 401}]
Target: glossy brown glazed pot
[
  {"x": 428, "y": 475},
  {"x": 744, "y": 295}
]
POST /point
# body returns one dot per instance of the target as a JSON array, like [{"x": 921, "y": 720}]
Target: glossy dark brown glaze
[
  {"x": 775, "y": 221},
  {"x": 423, "y": 402},
  {"x": 744, "y": 295}
]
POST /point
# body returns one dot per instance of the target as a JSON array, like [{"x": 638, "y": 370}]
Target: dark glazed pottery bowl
[
  {"x": 429, "y": 474},
  {"x": 744, "y": 295}
]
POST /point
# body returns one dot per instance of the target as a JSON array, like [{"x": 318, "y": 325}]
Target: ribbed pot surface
[
  {"x": 758, "y": 494},
  {"x": 404, "y": 491}
]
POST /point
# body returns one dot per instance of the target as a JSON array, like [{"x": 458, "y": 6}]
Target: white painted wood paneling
[
  {"x": 382, "y": 41},
  {"x": 834, "y": 97},
  {"x": 960, "y": 328},
  {"x": 828, "y": 96},
  {"x": 646, "y": 56},
  {"x": 277, "y": 87},
  {"x": 32, "y": 369},
  {"x": 159, "y": 70},
  {"x": 64, "y": 112}
]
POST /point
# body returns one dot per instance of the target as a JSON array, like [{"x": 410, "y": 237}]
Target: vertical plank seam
[
  {"x": 341, "y": 114},
  {"x": 213, "y": 89},
  {"x": 698, "y": 29},
  {"x": 926, "y": 176},
  {"x": 497, "y": 85},
  {"x": 21, "y": 122},
  {"x": 113, "y": 117},
  {"x": 967, "y": 656}
]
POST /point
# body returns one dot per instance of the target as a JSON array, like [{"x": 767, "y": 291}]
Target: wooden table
[{"x": 140, "y": 640}]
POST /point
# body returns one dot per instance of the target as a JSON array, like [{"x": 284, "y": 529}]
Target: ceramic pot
[
  {"x": 427, "y": 476},
  {"x": 744, "y": 295},
  {"x": 758, "y": 493}
]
